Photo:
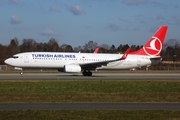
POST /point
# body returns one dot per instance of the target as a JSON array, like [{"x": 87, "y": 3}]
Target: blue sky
[{"x": 76, "y": 22}]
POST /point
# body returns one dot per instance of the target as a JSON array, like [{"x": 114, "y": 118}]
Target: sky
[{"x": 76, "y": 22}]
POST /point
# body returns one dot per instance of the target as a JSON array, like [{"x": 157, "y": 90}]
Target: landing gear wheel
[
  {"x": 21, "y": 73},
  {"x": 89, "y": 73},
  {"x": 85, "y": 73}
]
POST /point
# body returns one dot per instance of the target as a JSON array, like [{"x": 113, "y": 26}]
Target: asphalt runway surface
[
  {"x": 90, "y": 106},
  {"x": 96, "y": 76}
]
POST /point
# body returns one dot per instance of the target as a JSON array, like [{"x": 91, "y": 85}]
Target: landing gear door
[{"x": 26, "y": 58}]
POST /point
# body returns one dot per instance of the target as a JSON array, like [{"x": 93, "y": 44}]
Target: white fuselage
[{"x": 60, "y": 59}]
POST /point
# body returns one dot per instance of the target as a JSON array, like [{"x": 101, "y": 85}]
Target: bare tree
[
  {"x": 13, "y": 47},
  {"x": 90, "y": 46},
  {"x": 171, "y": 50},
  {"x": 66, "y": 48},
  {"x": 28, "y": 45},
  {"x": 104, "y": 48},
  {"x": 78, "y": 49},
  {"x": 63, "y": 47},
  {"x": 53, "y": 45},
  {"x": 3, "y": 54},
  {"x": 69, "y": 48}
]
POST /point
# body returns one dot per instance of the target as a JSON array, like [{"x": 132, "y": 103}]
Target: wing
[{"x": 94, "y": 65}]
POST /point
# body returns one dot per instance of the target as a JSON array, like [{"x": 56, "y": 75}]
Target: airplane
[{"x": 86, "y": 62}]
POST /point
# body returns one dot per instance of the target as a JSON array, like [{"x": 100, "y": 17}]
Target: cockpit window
[{"x": 15, "y": 57}]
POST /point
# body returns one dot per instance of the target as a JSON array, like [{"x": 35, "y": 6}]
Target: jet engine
[{"x": 70, "y": 68}]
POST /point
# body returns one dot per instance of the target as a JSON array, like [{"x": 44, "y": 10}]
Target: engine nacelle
[{"x": 72, "y": 68}]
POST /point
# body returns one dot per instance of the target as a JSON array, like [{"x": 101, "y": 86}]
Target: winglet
[
  {"x": 96, "y": 50},
  {"x": 125, "y": 54}
]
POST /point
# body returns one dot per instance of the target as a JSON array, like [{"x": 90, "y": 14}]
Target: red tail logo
[{"x": 154, "y": 46}]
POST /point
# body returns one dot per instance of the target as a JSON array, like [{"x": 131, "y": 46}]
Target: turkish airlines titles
[{"x": 53, "y": 56}]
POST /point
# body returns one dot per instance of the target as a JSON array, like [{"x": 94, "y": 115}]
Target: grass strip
[
  {"x": 89, "y": 91},
  {"x": 89, "y": 115}
]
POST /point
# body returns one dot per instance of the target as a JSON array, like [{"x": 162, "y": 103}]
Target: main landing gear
[{"x": 87, "y": 73}]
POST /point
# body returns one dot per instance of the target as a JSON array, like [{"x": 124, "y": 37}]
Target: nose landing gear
[
  {"x": 18, "y": 68},
  {"x": 21, "y": 73}
]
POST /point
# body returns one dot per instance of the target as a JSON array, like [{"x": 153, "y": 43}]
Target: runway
[
  {"x": 90, "y": 106},
  {"x": 96, "y": 76}
]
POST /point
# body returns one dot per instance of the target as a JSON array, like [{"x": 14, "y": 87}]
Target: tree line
[{"x": 170, "y": 52}]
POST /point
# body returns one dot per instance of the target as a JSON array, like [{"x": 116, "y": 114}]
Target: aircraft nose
[{"x": 7, "y": 61}]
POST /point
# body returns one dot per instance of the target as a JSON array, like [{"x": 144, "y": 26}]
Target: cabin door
[{"x": 26, "y": 58}]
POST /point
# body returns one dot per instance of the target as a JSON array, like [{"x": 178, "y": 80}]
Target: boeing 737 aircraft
[{"x": 86, "y": 62}]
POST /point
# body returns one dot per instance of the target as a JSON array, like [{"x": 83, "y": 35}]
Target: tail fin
[{"x": 154, "y": 46}]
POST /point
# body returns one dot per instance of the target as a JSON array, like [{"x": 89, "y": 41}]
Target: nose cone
[{"x": 8, "y": 61}]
